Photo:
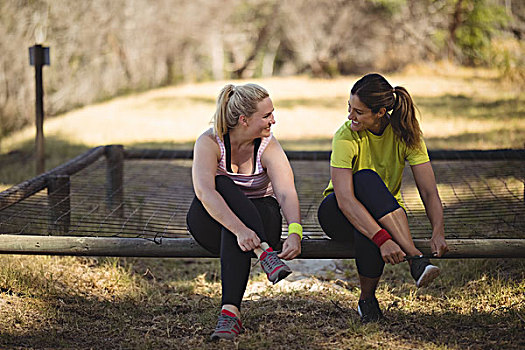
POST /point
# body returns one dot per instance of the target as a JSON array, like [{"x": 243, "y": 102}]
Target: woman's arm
[
  {"x": 358, "y": 215},
  {"x": 426, "y": 185},
  {"x": 281, "y": 175},
  {"x": 205, "y": 159}
]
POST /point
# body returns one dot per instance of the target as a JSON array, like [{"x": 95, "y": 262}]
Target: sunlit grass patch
[
  {"x": 174, "y": 303},
  {"x": 46, "y": 276},
  {"x": 453, "y": 101}
]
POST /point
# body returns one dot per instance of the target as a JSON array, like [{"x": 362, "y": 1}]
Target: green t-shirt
[{"x": 385, "y": 154}]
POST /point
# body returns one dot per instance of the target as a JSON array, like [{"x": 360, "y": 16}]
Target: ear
[
  {"x": 243, "y": 120},
  {"x": 382, "y": 112}
]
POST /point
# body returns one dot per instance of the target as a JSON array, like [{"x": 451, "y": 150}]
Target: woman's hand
[
  {"x": 248, "y": 240},
  {"x": 392, "y": 253},
  {"x": 438, "y": 245},
  {"x": 291, "y": 247}
]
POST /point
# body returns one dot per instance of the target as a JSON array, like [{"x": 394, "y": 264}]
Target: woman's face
[
  {"x": 262, "y": 120},
  {"x": 361, "y": 116}
]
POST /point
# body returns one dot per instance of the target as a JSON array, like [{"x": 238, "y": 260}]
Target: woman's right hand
[
  {"x": 248, "y": 240},
  {"x": 392, "y": 253}
]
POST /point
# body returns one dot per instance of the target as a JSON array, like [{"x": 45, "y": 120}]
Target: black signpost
[{"x": 38, "y": 57}]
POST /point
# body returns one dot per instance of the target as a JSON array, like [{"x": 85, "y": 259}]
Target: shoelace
[
  {"x": 416, "y": 257},
  {"x": 271, "y": 261},
  {"x": 259, "y": 258},
  {"x": 225, "y": 323}
]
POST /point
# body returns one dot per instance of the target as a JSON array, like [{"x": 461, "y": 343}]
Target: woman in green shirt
[{"x": 362, "y": 202}]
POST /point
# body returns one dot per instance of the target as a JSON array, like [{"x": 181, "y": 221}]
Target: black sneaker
[
  {"x": 423, "y": 272},
  {"x": 369, "y": 310}
]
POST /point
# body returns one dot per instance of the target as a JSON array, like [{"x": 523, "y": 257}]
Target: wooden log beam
[{"x": 188, "y": 248}]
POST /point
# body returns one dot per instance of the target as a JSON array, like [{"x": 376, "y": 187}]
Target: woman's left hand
[
  {"x": 438, "y": 244},
  {"x": 291, "y": 247}
]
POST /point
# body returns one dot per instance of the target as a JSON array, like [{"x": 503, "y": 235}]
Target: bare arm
[
  {"x": 281, "y": 175},
  {"x": 426, "y": 185},
  {"x": 205, "y": 161},
  {"x": 358, "y": 215}
]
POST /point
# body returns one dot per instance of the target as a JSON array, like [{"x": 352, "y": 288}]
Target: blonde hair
[{"x": 234, "y": 101}]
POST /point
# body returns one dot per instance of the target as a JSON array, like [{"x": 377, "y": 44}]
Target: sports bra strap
[{"x": 228, "y": 147}]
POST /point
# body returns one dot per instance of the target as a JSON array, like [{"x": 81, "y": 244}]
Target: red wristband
[{"x": 381, "y": 237}]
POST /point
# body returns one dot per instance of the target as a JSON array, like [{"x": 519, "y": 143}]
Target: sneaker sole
[
  {"x": 430, "y": 274},
  {"x": 366, "y": 321},
  {"x": 283, "y": 273},
  {"x": 219, "y": 336}
]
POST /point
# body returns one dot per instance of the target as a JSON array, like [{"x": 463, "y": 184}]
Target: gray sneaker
[
  {"x": 423, "y": 271},
  {"x": 275, "y": 269},
  {"x": 228, "y": 326}
]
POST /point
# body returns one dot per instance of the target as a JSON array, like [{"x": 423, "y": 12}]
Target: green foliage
[
  {"x": 483, "y": 20},
  {"x": 508, "y": 56},
  {"x": 390, "y": 6}
]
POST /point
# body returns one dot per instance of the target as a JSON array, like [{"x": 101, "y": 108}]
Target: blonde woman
[{"x": 242, "y": 180}]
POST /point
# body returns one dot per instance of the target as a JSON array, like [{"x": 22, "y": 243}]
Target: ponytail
[
  {"x": 376, "y": 93},
  {"x": 220, "y": 118},
  {"x": 234, "y": 101},
  {"x": 403, "y": 118}
]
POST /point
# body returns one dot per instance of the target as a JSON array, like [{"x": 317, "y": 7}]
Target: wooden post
[
  {"x": 38, "y": 57},
  {"x": 59, "y": 211},
  {"x": 115, "y": 179}
]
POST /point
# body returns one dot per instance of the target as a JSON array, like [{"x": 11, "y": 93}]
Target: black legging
[
  {"x": 262, "y": 215},
  {"x": 372, "y": 192}
]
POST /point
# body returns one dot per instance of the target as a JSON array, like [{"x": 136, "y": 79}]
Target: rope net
[{"x": 481, "y": 199}]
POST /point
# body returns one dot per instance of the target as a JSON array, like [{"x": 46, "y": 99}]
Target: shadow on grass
[
  {"x": 19, "y": 165},
  {"x": 453, "y": 106},
  {"x": 43, "y": 311},
  {"x": 169, "y": 316},
  {"x": 503, "y": 138},
  {"x": 162, "y": 145},
  {"x": 476, "y": 330},
  {"x": 79, "y": 323}
]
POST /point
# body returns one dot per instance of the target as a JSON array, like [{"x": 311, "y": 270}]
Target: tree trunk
[{"x": 455, "y": 22}]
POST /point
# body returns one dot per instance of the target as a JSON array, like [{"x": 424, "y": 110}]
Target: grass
[
  {"x": 467, "y": 108},
  {"x": 82, "y": 303},
  {"x": 91, "y": 303}
]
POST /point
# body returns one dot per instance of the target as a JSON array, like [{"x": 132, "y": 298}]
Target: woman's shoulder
[
  {"x": 208, "y": 140},
  {"x": 207, "y": 136},
  {"x": 270, "y": 148},
  {"x": 269, "y": 142},
  {"x": 346, "y": 132},
  {"x": 346, "y": 135}
]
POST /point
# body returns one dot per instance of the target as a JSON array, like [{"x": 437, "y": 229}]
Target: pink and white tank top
[{"x": 255, "y": 185}]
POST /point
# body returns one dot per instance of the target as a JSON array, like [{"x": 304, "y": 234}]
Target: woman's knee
[
  {"x": 373, "y": 193},
  {"x": 367, "y": 177}
]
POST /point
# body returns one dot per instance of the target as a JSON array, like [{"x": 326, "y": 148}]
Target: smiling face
[
  {"x": 362, "y": 117},
  {"x": 262, "y": 120}
]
